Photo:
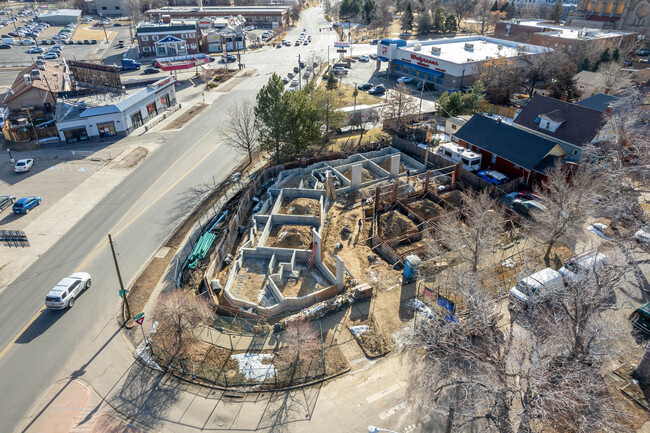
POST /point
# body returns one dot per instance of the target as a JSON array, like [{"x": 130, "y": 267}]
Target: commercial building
[
  {"x": 106, "y": 7},
  {"x": 626, "y": 15},
  {"x": 60, "y": 17},
  {"x": 452, "y": 63},
  {"x": 259, "y": 16},
  {"x": 91, "y": 116},
  {"x": 178, "y": 38},
  {"x": 548, "y": 34}
]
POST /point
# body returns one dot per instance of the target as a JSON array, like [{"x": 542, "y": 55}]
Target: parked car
[
  {"x": 493, "y": 177},
  {"x": 296, "y": 69},
  {"x": 231, "y": 58},
  {"x": 23, "y": 165},
  {"x": 427, "y": 86},
  {"x": 50, "y": 55},
  {"x": 365, "y": 86},
  {"x": 643, "y": 52},
  {"x": 285, "y": 80},
  {"x": 404, "y": 80},
  {"x": 298, "y": 42},
  {"x": 545, "y": 280},
  {"x": 526, "y": 207},
  {"x": 377, "y": 90},
  {"x": 93, "y": 41},
  {"x": 117, "y": 25},
  {"x": 640, "y": 318},
  {"x": 25, "y": 204},
  {"x": 36, "y": 50},
  {"x": 4, "y": 46},
  {"x": 374, "y": 41},
  {"x": 364, "y": 58},
  {"x": 294, "y": 83},
  {"x": 290, "y": 75},
  {"x": 27, "y": 42},
  {"x": 340, "y": 70},
  {"x": 577, "y": 267},
  {"x": 6, "y": 201},
  {"x": 150, "y": 70},
  {"x": 306, "y": 42},
  {"x": 67, "y": 290}
]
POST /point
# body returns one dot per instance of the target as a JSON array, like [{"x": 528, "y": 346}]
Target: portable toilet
[{"x": 411, "y": 267}]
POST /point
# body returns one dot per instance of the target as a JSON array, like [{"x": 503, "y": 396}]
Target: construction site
[{"x": 350, "y": 244}]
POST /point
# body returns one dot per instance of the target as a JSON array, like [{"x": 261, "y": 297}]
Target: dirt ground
[
  {"x": 250, "y": 279},
  {"x": 372, "y": 342},
  {"x": 184, "y": 118},
  {"x": 426, "y": 208},
  {"x": 133, "y": 158},
  {"x": 290, "y": 236},
  {"x": 453, "y": 197},
  {"x": 394, "y": 223},
  {"x": 294, "y": 181},
  {"x": 423, "y": 248},
  {"x": 366, "y": 176},
  {"x": 309, "y": 281},
  {"x": 300, "y": 206},
  {"x": 386, "y": 166}
]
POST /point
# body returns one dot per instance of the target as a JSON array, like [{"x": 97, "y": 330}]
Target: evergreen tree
[
  {"x": 556, "y": 13},
  {"x": 439, "y": 17},
  {"x": 332, "y": 81},
  {"x": 495, "y": 6},
  {"x": 450, "y": 23},
  {"x": 271, "y": 108},
  {"x": 510, "y": 10},
  {"x": 585, "y": 65},
  {"x": 350, "y": 9},
  {"x": 425, "y": 24},
  {"x": 368, "y": 11},
  {"x": 407, "y": 18},
  {"x": 616, "y": 55}
]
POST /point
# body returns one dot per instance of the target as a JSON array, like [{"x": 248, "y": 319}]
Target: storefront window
[
  {"x": 151, "y": 109},
  {"x": 136, "y": 119},
  {"x": 74, "y": 135},
  {"x": 106, "y": 129}
]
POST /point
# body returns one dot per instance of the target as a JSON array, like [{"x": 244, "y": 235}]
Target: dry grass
[
  {"x": 348, "y": 141},
  {"x": 89, "y": 32},
  {"x": 344, "y": 94}
]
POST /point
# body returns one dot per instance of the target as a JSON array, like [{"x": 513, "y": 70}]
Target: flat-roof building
[
  {"x": 548, "y": 34},
  {"x": 60, "y": 17},
  {"x": 259, "y": 16},
  {"x": 453, "y": 62}
]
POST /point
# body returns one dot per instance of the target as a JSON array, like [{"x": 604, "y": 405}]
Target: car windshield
[{"x": 524, "y": 288}]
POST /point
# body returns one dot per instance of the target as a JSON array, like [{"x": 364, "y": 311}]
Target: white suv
[
  {"x": 576, "y": 267},
  {"x": 64, "y": 293}
]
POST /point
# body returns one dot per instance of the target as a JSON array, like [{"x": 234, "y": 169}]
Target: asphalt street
[{"x": 40, "y": 347}]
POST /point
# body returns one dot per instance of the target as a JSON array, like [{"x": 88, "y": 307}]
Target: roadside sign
[
  {"x": 138, "y": 316},
  {"x": 123, "y": 292},
  {"x": 341, "y": 44},
  {"x": 140, "y": 320},
  {"x": 341, "y": 51},
  {"x": 446, "y": 304}
]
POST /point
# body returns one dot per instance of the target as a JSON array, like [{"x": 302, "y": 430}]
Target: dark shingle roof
[
  {"x": 598, "y": 102},
  {"x": 508, "y": 142},
  {"x": 581, "y": 124}
]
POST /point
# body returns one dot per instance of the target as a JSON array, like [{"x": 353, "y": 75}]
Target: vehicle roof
[
  {"x": 588, "y": 258},
  {"x": 67, "y": 282},
  {"x": 23, "y": 160},
  {"x": 539, "y": 278}
]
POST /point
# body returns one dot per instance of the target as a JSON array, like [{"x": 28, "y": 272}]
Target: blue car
[
  {"x": 493, "y": 177},
  {"x": 25, "y": 204}
]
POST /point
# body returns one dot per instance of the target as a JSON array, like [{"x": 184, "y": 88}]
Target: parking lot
[{"x": 55, "y": 173}]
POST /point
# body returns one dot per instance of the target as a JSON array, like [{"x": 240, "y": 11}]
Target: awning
[
  {"x": 383, "y": 59},
  {"x": 419, "y": 68}
]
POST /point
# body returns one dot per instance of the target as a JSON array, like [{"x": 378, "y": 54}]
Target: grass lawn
[
  {"x": 345, "y": 95},
  {"x": 348, "y": 141}
]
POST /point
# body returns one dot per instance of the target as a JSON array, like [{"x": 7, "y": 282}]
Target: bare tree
[
  {"x": 399, "y": 106},
  {"x": 484, "y": 15},
  {"x": 474, "y": 231},
  {"x": 179, "y": 314},
  {"x": 611, "y": 76},
  {"x": 462, "y": 9},
  {"x": 361, "y": 119},
  {"x": 503, "y": 378},
  {"x": 244, "y": 128},
  {"x": 301, "y": 342},
  {"x": 569, "y": 197},
  {"x": 383, "y": 16}
]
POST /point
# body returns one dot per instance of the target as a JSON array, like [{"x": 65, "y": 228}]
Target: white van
[
  {"x": 9, "y": 41},
  {"x": 576, "y": 267},
  {"x": 546, "y": 279},
  {"x": 455, "y": 153},
  {"x": 68, "y": 289}
]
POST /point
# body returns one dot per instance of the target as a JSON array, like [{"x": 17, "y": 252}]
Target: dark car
[
  {"x": 231, "y": 58},
  {"x": 93, "y": 41},
  {"x": 427, "y": 86},
  {"x": 6, "y": 201},
  {"x": 302, "y": 65},
  {"x": 5, "y": 46},
  {"x": 374, "y": 42},
  {"x": 377, "y": 90},
  {"x": 25, "y": 204},
  {"x": 150, "y": 70},
  {"x": 365, "y": 86},
  {"x": 296, "y": 69},
  {"x": 80, "y": 42},
  {"x": 493, "y": 177},
  {"x": 86, "y": 42},
  {"x": 641, "y": 52},
  {"x": 117, "y": 25}
]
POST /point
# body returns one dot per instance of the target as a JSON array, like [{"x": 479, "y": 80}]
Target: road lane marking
[
  {"x": 393, "y": 410},
  {"x": 6, "y": 349},
  {"x": 383, "y": 393},
  {"x": 103, "y": 242}
]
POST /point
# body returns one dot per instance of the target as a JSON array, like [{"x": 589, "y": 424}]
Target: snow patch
[
  {"x": 251, "y": 366},
  {"x": 359, "y": 329}
]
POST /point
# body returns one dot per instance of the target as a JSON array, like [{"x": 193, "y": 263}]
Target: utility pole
[
  {"x": 299, "y": 74},
  {"x": 125, "y": 301},
  {"x": 421, "y": 93},
  {"x": 101, "y": 16}
]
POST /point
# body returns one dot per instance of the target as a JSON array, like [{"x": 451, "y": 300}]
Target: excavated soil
[
  {"x": 309, "y": 281},
  {"x": 290, "y": 236},
  {"x": 394, "y": 223},
  {"x": 366, "y": 176},
  {"x": 250, "y": 279},
  {"x": 300, "y": 206},
  {"x": 386, "y": 166},
  {"x": 453, "y": 197},
  {"x": 426, "y": 208},
  {"x": 372, "y": 342}
]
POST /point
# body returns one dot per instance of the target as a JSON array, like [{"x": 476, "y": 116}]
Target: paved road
[{"x": 140, "y": 213}]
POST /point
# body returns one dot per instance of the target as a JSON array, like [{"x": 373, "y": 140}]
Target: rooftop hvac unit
[
  {"x": 417, "y": 47},
  {"x": 499, "y": 47},
  {"x": 469, "y": 47},
  {"x": 436, "y": 50},
  {"x": 27, "y": 79},
  {"x": 82, "y": 105}
]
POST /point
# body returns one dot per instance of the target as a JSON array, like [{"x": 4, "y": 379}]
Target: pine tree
[
  {"x": 425, "y": 24},
  {"x": 616, "y": 55},
  {"x": 439, "y": 17},
  {"x": 407, "y": 18},
  {"x": 495, "y": 6},
  {"x": 270, "y": 110},
  {"x": 450, "y": 23},
  {"x": 368, "y": 11},
  {"x": 585, "y": 65},
  {"x": 556, "y": 13}
]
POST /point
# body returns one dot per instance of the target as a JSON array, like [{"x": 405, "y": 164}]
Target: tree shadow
[{"x": 287, "y": 407}]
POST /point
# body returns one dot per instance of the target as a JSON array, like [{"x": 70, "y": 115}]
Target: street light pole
[
  {"x": 373, "y": 429},
  {"x": 119, "y": 278}
]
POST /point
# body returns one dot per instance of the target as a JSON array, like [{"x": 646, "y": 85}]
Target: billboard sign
[
  {"x": 96, "y": 76},
  {"x": 341, "y": 44}
]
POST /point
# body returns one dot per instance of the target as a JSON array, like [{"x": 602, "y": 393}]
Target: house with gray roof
[
  {"x": 572, "y": 126},
  {"x": 508, "y": 149},
  {"x": 113, "y": 115}
]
